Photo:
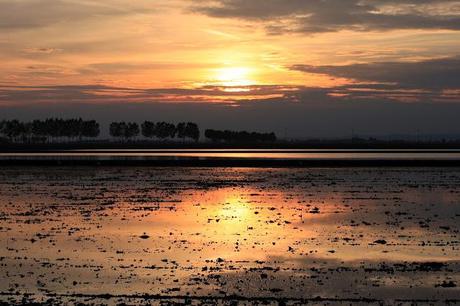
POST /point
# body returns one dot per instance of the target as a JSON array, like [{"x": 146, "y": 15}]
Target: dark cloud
[
  {"x": 289, "y": 111},
  {"x": 429, "y": 74},
  {"x": 335, "y": 15},
  {"x": 281, "y": 94},
  {"x": 28, "y": 95}
]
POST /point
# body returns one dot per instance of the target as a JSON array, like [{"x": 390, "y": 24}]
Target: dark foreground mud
[{"x": 206, "y": 236}]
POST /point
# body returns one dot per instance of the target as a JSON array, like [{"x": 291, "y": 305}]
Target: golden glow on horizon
[{"x": 166, "y": 45}]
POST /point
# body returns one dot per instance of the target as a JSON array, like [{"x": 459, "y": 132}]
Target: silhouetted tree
[
  {"x": 213, "y": 135},
  {"x": 132, "y": 130},
  {"x": 116, "y": 129},
  {"x": 12, "y": 129},
  {"x": 189, "y": 130},
  {"x": 180, "y": 129},
  {"x": 53, "y": 128},
  {"x": 165, "y": 130},
  {"x": 124, "y": 130},
  {"x": 192, "y": 131},
  {"x": 90, "y": 129},
  {"x": 244, "y": 136},
  {"x": 148, "y": 129}
]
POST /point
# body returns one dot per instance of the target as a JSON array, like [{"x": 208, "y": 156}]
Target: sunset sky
[{"x": 301, "y": 68}]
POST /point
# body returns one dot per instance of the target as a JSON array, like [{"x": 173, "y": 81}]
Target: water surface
[{"x": 116, "y": 234}]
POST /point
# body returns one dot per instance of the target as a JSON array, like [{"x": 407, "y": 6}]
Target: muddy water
[{"x": 111, "y": 235}]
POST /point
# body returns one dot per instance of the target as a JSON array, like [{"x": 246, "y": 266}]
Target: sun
[{"x": 234, "y": 76}]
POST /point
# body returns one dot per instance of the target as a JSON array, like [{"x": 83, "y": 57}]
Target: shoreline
[
  {"x": 287, "y": 145},
  {"x": 234, "y": 162}
]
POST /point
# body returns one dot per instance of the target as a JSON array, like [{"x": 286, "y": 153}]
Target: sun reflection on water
[{"x": 197, "y": 225}]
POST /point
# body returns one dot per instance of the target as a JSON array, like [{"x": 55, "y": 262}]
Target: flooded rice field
[{"x": 126, "y": 235}]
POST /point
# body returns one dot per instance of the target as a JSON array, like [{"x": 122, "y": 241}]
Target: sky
[{"x": 324, "y": 68}]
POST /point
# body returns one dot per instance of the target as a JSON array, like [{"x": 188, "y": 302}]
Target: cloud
[
  {"x": 126, "y": 67},
  {"x": 41, "y": 50},
  {"x": 281, "y": 16},
  {"x": 427, "y": 81},
  {"x": 434, "y": 74},
  {"x": 101, "y": 94},
  {"x": 297, "y": 112},
  {"x": 24, "y": 14}
]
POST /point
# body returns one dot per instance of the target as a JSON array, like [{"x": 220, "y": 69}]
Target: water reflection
[{"x": 294, "y": 233}]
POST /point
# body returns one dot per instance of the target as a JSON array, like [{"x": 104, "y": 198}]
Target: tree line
[
  {"x": 55, "y": 129},
  {"x": 244, "y": 136},
  {"x": 159, "y": 130},
  {"x": 49, "y": 129}
]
